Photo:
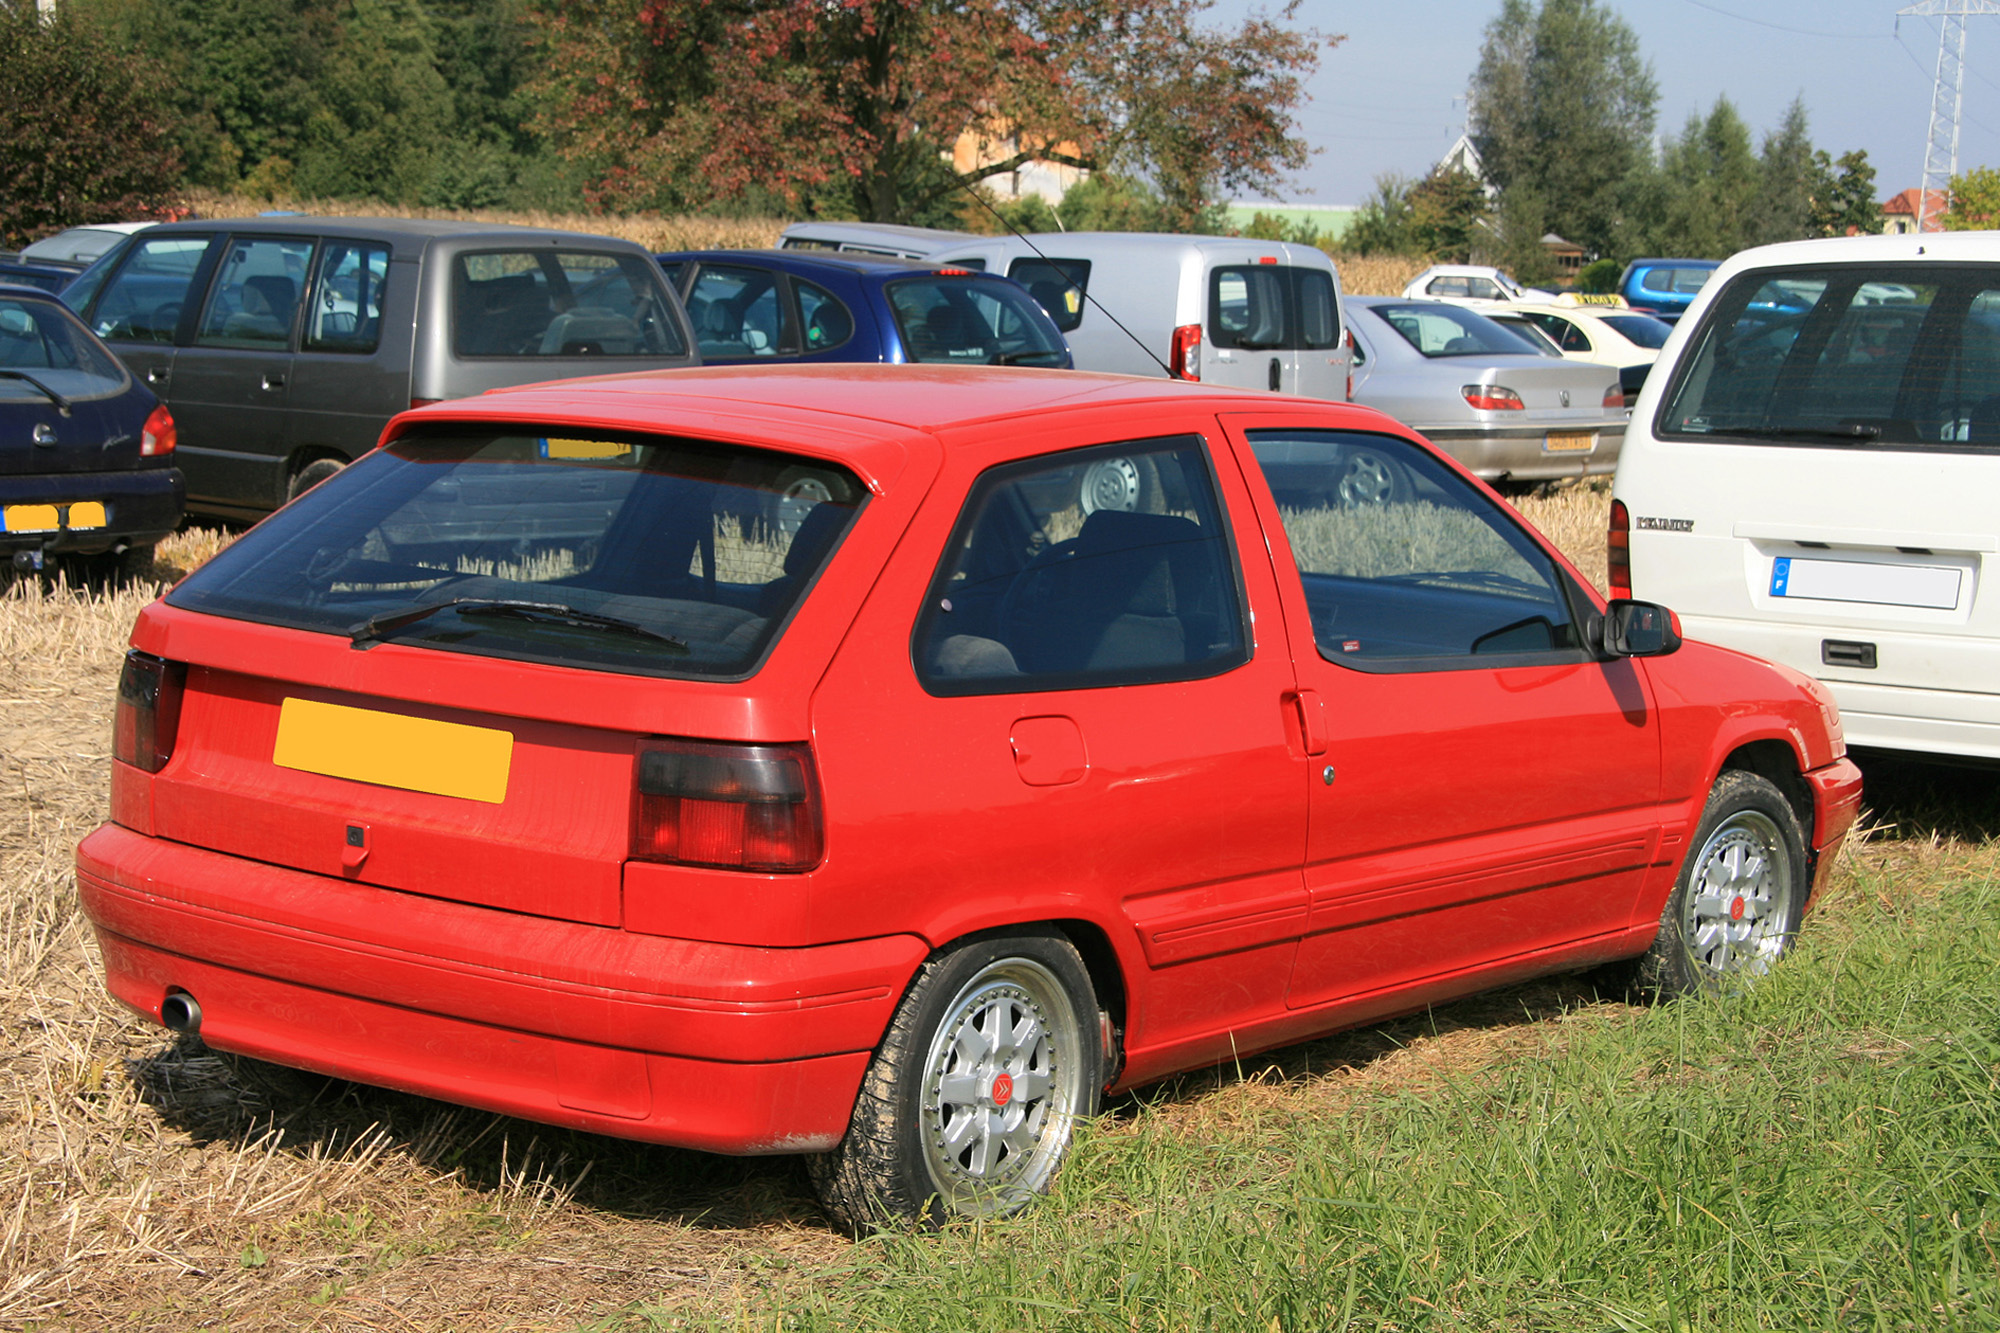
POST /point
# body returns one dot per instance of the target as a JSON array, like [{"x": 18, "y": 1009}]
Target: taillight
[
  {"x": 1615, "y": 395},
  {"x": 1347, "y": 337},
  {"x": 740, "y": 807},
  {"x": 148, "y": 715},
  {"x": 1184, "y": 355},
  {"x": 1618, "y": 551},
  {"x": 158, "y": 437},
  {"x": 1492, "y": 398}
]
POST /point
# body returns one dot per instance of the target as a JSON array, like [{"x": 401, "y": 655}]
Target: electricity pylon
[{"x": 1947, "y": 93}]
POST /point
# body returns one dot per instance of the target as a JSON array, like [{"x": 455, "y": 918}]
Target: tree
[
  {"x": 1712, "y": 182},
  {"x": 675, "y": 103},
  {"x": 1975, "y": 201},
  {"x": 1788, "y": 179},
  {"x": 83, "y": 137},
  {"x": 1563, "y": 108},
  {"x": 1446, "y": 208},
  {"x": 1382, "y": 226},
  {"x": 1844, "y": 199}
]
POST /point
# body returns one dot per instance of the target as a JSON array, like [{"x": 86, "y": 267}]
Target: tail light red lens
[
  {"x": 739, "y": 807},
  {"x": 148, "y": 716},
  {"x": 1618, "y": 551},
  {"x": 1615, "y": 395},
  {"x": 158, "y": 437},
  {"x": 1492, "y": 398},
  {"x": 1184, "y": 355}
]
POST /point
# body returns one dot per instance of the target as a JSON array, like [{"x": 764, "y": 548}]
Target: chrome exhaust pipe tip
[{"x": 180, "y": 1012}]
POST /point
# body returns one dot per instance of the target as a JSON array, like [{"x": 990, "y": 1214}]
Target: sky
[{"x": 1390, "y": 98}]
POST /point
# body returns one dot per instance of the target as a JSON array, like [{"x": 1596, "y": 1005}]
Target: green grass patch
[{"x": 1821, "y": 1152}]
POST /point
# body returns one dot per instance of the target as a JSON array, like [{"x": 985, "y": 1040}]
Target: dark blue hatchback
[
  {"x": 756, "y": 307},
  {"x": 86, "y": 452}
]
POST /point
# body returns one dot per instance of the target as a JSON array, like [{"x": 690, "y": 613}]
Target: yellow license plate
[
  {"x": 391, "y": 750},
  {"x": 29, "y": 518},
  {"x": 86, "y": 514},
  {"x": 1569, "y": 442}
]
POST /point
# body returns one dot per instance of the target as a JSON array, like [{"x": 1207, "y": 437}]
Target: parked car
[
  {"x": 1224, "y": 310},
  {"x": 285, "y": 344},
  {"x": 1664, "y": 288},
  {"x": 18, "y": 272},
  {"x": 886, "y": 239},
  {"x": 87, "y": 470},
  {"x": 513, "y": 767},
  {"x": 1812, "y": 471},
  {"x": 1603, "y": 334},
  {"x": 80, "y": 247},
  {"x": 1491, "y": 398},
  {"x": 1471, "y": 282},
  {"x": 767, "y": 306}
]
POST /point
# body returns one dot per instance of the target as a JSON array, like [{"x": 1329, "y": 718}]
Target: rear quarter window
[{"x": 533, "y": 303}]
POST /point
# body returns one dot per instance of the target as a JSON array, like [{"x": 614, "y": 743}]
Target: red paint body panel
[{"x": 1481, "y": 825}]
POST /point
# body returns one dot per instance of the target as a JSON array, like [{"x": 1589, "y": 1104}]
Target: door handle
[
  {"x": 1309, "y": 715},
  {"x": 1277, "y": 375},
  {"x": 273, "y": 381},
  {"x": 157, "y": 375}
]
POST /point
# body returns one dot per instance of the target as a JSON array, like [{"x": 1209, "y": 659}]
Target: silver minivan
[
  {"x": 1220, "y": 309},
  {"x": 282, "y": 345}
]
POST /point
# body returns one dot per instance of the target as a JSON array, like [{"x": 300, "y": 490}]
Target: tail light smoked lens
[
  {"x": 1618, "y": 551},
  {"x": 1615, "y": 395},
  {"x": 1492, "y": 398},
  {"x": 148, "y": 715},
  {"x": 1184, "y": 355},
  {"x": 739, "y": 807},
  {"x": 158, "y": 437}
]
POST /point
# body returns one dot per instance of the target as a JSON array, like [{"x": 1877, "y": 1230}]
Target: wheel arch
[{"x": 1775, "y": 761}]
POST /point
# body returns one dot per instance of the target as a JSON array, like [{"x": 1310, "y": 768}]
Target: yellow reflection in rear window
[
  {"x": 553, "y": 448},
  {"x": 391, "y": 750}
]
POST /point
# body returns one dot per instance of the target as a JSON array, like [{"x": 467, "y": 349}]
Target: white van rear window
[{"x": 1872, "y": 356}]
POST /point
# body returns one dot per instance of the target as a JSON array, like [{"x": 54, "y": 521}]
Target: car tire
[
  {"x": 952, "y": 1122},
  {"x": 311, "y": 475},
  {"x": 800, "y": 490},
  {"x": 1740, "y": 897},
  {"x": 1125, "y": 485},
  {"x": 1370, "y": 477}
]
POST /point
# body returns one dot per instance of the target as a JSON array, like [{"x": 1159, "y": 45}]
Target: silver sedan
[{"x": 1506, "y": 409}]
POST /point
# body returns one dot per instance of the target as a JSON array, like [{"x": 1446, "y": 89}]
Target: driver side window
[{"x": 1406, "y": 565}]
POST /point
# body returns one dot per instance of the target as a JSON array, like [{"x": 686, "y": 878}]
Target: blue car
[
  {"x": 87, "y": 471},
  {"x": 1664, "y": 288},
  {"x": 763, "y": 307}
]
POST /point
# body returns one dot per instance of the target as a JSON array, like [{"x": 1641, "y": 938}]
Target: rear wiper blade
[
  {"x": 559, "y": 613},
  {"x": 1849, "y": 431},
  {"x": 62, "y": 403}
]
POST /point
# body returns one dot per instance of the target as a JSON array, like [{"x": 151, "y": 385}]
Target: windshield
[
  {"x": 43, "y": 340},
  {"x": 968, "y": 320},
  {"x": 1640, "y": 330},
  {"x": 620, "y": 552},
  {"x": 1437, "y": 329},
  {"x": 1896, "y": 355}
]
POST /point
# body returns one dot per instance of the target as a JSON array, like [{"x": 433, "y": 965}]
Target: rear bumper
[
  {"x": 140, "y": 507},
  {"x": 1519, "y": 453},
  {"x": 719, "y": 1047}
]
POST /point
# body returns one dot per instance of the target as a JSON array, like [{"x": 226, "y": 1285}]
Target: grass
[{"x": 1817, "y": 1153}]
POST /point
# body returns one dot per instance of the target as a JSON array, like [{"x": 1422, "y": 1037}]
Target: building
[{"x": 1899, "y": 214}]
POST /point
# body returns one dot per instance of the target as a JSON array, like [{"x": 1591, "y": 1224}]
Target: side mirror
[{"x": 1640, "y": 629}]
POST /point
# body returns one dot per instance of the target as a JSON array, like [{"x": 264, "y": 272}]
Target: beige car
[{"x": 1602, "y": 330}]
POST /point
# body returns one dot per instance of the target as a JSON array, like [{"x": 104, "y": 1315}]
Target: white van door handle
[{"x": 1277, "y": 375}]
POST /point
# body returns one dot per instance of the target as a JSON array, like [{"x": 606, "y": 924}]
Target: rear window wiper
[
  {"x": 1847, "y": 432},
  {"x": 557, "y": 613},
  {"x": 62, "y": 403}
]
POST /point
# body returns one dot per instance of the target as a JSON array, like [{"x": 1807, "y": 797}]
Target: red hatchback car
[{"x": 882, "y": 763}]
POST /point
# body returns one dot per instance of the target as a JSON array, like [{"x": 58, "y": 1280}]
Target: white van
[
  {"x": 1220, "y": 309},
  {"x": 1812, "y": 475}
]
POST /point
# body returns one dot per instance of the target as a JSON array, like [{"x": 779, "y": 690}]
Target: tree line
[
  {"x": 1563, "y": 117},
  {"x": 793, "y": 107}
]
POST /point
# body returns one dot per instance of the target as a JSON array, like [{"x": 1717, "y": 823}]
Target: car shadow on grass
[
  {"x": 224, "y": 1100},
  {"x": 1905, "y": 797}
]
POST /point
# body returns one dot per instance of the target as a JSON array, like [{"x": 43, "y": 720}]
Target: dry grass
[
  {"x": 146, "y": 1183},
  {"x": 1376, "y": 275}
]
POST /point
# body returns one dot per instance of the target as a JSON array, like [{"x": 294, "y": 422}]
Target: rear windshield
[
  {"x": 974, "y": 320},
  {"x": 561, "y": 303},
  {"x": 1895, "y": 356},
  {"x": 1272, "y": 306},
  {"x": 620, "y": 552},
  {"x": 1683, "y": 280},
  {"x": 1640, "y": 330},
  {"x": 43, "y": 345},
  {"x": 1437, "y": 329}
]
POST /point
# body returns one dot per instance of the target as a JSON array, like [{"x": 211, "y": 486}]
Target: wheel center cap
[
  {"x": 1736, "y": 909},
  {"x": 1003, "y": 1089}
]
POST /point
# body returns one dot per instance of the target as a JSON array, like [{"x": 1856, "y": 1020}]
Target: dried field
[{"x": 146, "y": 1183}]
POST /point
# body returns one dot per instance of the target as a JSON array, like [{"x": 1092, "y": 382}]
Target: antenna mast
[{"x": 1947, "y": 93}]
